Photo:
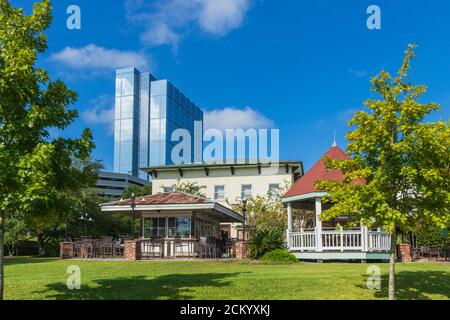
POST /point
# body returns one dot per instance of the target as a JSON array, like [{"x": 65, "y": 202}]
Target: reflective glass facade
[{"x": 147, "y": 112}]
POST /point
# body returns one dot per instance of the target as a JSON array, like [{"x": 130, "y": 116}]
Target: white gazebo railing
[{"x": 361, "y": 240}]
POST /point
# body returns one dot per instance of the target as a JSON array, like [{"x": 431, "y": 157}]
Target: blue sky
[{"x": 302, "y": 66}]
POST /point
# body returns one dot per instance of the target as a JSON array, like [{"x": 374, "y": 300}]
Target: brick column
[
  {"x": 132, "y": 250},
  {"x": 66, "y": 250},
  {"x": 242, "y": 250},
  {"x": 404, "y": 252}
]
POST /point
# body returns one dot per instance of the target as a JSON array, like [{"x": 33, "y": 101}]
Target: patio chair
[
  {"x": 77, "y": 248},
  {"x": 117, "y": 250},
  {"x": 87, "y": 249},
  {"x": 435, "y": 252},
  {"x": 178, "y": 247},
  {"x": 106, "y": 247},
  {"x": 424, "y": 252}
]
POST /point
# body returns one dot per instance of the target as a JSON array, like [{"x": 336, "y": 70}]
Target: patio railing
[{"x": 339, "y": 240}]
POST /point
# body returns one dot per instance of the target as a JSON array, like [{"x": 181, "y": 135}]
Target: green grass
[{"x": 35, "y": 278}]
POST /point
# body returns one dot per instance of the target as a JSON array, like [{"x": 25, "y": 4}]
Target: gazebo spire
[{"x": 334, "y": 139}]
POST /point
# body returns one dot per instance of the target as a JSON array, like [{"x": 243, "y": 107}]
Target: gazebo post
[
  {"x": 318, "y": 230},
  {"x": 289, "y": 230}
]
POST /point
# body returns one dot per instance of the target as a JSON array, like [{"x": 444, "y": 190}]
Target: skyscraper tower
[{"x": 147, "y": 111}]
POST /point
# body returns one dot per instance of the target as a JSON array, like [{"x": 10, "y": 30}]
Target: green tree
[
  {"x": 138, "y": 191},
  {"x": 190, "y": 187},
  {"x": 16, "y": 230},
  {"x": 404, "y": 161},
  {"x": 37, "y": 174}
]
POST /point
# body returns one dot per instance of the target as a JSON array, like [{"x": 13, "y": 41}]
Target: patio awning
[{"x": 173, "y": 202}]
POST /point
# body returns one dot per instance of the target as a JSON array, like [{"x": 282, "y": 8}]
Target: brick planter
[
  {"x": 132, "y": 250},
  {"x": 242, "y": 250},
  {"x": 404, "y": 252},
  {"x": 66, "y": 250}
]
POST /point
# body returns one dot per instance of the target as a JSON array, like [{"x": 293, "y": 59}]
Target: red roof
[
  {"x": 307, "y": 183},
  {"x": 161, "y": 199}
]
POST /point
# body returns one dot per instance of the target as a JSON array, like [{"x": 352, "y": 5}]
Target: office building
[
  {"x": 147, "y": 112},
  {"x": 112, "y": 185}
]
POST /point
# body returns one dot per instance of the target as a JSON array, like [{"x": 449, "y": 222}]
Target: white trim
[
  {"x": 159, "y": 207},
  {"x": 311, "y": 195},
  {"x": 174, "y": 207}
]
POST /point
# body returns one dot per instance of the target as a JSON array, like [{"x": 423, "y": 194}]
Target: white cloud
[
  {"x": 93, "y": 57},
  {"x": 219, "y": 17},
  {"x": 166, "y": 21},
  {"x": 101, "y": 112},
  {"x": 233, "y": 118},
  {"x": 357, "y": 73}
]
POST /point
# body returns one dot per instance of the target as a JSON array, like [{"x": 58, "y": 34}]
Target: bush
[
  {"x": 263, "y": 241},
  {"x": 279, "y": 256}
]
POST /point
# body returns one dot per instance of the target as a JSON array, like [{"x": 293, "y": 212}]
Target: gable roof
[
  {"x": 306, "y": 184},
  {"x": 166, "y": 198}
]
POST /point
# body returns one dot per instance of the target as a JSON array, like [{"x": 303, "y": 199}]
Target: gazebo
[{"x": 328, "y": 241}]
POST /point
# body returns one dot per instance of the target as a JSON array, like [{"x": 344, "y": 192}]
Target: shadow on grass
[
  {"x": 415, "y": 285},
  {"x": 11, "y": 261},
  {"x": 172, "y": 287}
]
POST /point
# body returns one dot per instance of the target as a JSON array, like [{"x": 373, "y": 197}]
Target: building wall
[{"x": 126, "y": 122}]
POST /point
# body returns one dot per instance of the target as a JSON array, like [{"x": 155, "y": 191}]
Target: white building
[{"x": 228, "y": 183}]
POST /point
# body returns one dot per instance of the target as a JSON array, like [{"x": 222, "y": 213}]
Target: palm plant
[{"x": 265, "y": 240}]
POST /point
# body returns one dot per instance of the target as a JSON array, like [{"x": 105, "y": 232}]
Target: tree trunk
[
  {"x": 2, "y": 247},
  {"x": 392, "y": 267}
]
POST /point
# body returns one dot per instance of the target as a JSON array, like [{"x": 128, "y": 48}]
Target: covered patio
[
  {"x": 328, "y": 241},
  {"x": 176, "y": 225}
]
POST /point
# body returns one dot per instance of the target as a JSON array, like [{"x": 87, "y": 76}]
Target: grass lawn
[{"x": 36, "y": 278}]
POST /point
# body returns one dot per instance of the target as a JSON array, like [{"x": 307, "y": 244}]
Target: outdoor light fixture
[
  {"x": 133, "y": 205},
  {"x": 244, "y": 208},
  {"x": 86, "y": 219}
]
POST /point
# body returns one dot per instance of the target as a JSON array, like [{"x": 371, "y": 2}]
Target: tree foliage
[
  {"x": 138, "y": 191},
  {"x": 37, "y": 172},
  {"x": 404, "y": 161},
  {"x": 16, "y": 230},
  {"x": 190, "y": 187}
]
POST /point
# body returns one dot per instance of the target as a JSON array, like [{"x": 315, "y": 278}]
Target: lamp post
[
  {"x": 133, "y": 205},
  {"x": 244, "y": 214},
  {"x": 244, "y": 210},
  {"x": 86, "y": 219}
]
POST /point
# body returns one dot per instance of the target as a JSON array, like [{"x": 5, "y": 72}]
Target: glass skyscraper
[{"x": 147, "y": 111}]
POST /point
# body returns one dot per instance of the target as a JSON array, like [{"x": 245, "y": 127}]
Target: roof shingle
[
  {"x": 319, "y": 172},
  {"x": 162, "y": 199}
]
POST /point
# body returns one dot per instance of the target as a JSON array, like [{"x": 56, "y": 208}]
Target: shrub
[
  {"x": 279, "y": 256},
  {"x": 265, "y": 240}
]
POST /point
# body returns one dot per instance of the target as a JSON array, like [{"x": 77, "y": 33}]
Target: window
[
  {"x": 155, "y": 228},
  {"x": 219, "y": 193},
  {"x": 168, "y": 189},
  {"x": 179, "y": 227},
  {"x": 246, "y": 191},
  {"x": 274, "y": 190}
]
